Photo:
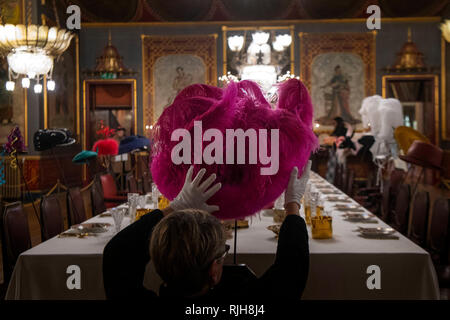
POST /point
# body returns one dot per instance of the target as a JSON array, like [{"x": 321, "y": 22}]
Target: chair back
[
  {"x": 386, "y": 201},
  {"x": 147, "y": 182},
  {"x": 439, "y": 243},
  {"x": 401, "y": 211},
  {"x": 77, "y": 212},
  {"x": 97, "y": 198},
  {"x": 108, "y": 185},
  {"x": 419, "y": 222},
  {"x": 132, "y": 183},
  {"x": 52, "y": 222},
  {"x": 338, "y": 176},
  {"x": 15, "y": 236},
  {"x": 350, "y": 179}
]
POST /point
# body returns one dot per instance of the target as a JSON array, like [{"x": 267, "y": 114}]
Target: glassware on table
[
  {"x": 279, "y": 213},
  {"x": 321, "y": 227},
  {"x": 319, "y": 207},
  {"x": 155, "y": 194},
  {"x": 132, "y": 206},
  {"x": 117, "y": 214},
  {"x": 163, "y": 203},
  {"x": 307, "y": 213}
]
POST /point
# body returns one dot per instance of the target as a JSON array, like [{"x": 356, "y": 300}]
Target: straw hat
[{"x": 405, "y": 136}]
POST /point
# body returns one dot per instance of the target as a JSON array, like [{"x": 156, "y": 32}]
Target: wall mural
[
  {"x": 337, "y": 87},
  {"x": 170, "y": 63},
  {"x": 175, "y": 72},
  {"x": 339, "y": 71}
]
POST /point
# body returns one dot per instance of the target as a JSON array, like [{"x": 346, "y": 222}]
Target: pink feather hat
[{"x": 239, "y": 106}]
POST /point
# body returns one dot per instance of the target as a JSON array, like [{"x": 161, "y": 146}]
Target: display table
[{"x": 338, "y": 266}]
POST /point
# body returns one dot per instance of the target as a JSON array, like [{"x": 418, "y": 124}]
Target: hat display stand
[
  {"x": 48, "y": 139},
  {"x": 14, "y": 145}
]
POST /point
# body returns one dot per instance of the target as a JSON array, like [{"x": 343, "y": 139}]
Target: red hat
[{"x": 424, "y": 154}]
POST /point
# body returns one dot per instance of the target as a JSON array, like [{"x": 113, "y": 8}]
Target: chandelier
[
  {"x": 445, "y": 28},
  {"x": 30, "y": 51},
  {"x": 262, "y": 57}
]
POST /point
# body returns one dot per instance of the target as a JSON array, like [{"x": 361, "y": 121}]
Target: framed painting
[
  {"x": 62, "y": 105},
  {"x": 171, "y": 63},
  {"x": 339, "y": 71},
  {"x": 445, "y": 89},
  {"x": 13, "y": 104}
]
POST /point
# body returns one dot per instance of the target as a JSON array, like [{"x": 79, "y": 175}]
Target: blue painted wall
[{"x": 127, "y": 39}]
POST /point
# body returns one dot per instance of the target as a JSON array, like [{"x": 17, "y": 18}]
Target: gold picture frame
[
  {"x": 424, "y": 77},
  {"x": 445, "y": 85},
  {"x": 360, "y": 46},
  {"x": 156, "y": 47}
]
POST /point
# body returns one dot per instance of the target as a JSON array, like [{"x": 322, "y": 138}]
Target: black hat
[{"x": 48, "y": 138}]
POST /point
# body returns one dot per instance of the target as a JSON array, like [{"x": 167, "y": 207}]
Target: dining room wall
[{"x": 389, "y": 40}]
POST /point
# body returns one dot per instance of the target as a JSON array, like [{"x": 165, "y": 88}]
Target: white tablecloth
[{"x": 338, "y": 266}]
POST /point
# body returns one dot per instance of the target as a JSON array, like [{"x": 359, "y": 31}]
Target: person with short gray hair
[{"x": 187, "y": 246}]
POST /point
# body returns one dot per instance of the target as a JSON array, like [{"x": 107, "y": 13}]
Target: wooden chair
[
  {"x": 419, "y": 222},
  {"x": 75, "y": 207},
  {"x": 97, "y": 198},
  {"x": 15, "y": 235},
  {"x": 52, "y": 222},
  {"x": 110, "y": 193},
  {"x": 400, "y": 215},
  {"x": 147, "y": 182},
  {"x": 439, "y": 242},
  {"x": 132, "y": 185}
]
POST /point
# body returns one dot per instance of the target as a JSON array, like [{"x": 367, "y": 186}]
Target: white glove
[
  {"x": 193, "y": 195},
  {"x": 296, "y": 187}
]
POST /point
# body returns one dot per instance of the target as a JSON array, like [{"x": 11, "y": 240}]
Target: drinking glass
[
  {"x": 117, "y": 215},
  {"x": 155, "y": 194},
  {"x": 133, "y": 203},
  {"x": 313, "y": 200}
]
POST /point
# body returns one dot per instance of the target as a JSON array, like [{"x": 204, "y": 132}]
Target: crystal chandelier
[
  {"x": 30, "y": 51},
  {"x": 445, "y": 28},
  {"x": 263, "y": 59}
]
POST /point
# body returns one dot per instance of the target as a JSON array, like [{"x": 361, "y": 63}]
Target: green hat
[{"x": 84, "y": 157}]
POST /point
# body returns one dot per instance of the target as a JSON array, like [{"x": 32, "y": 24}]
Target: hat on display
[
  {"x": 424, "y": 154},
  {"x": 132, "y": 143},
  {"x": 106, "y": 147},
  {"x": 84, "y": 157},
  {"x": 240, "y": 105},
  {"x": 405, "y": 136},
  {"x": 45, "y": 139}
]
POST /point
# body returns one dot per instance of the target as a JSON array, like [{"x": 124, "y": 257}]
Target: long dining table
[{"x": 340, "y": 268}]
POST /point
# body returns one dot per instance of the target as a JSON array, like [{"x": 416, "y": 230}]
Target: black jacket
[{"x": 125, "y": 258}]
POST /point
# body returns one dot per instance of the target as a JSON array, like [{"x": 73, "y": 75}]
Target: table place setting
[
  {"x": 360, "y": 217},
  {"x": 337, "y": 199},
  {"x": 85, "y": 229},
  {"x": 377, "y": 233},
  {"x": 348, "y": 208}
]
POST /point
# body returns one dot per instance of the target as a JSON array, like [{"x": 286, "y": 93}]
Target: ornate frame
[
  {"x": 435, "y": 80},
  {"x": 445, "y": 124},
  {"x": 88, "y": 82},
  {"x": 154, "y": 47},
  {"x": 362, "y": 44}
]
